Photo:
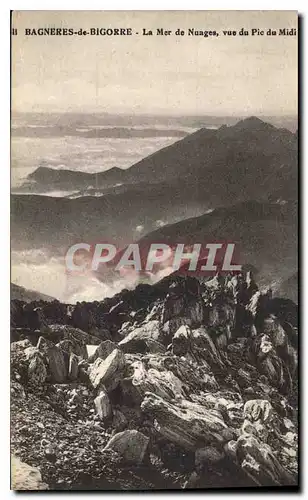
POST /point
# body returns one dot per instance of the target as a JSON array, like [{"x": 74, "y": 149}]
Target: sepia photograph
[{"x": 154, "y": 250}]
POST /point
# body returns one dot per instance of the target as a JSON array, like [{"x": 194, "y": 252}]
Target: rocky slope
[{"x": 178, "y": 385}]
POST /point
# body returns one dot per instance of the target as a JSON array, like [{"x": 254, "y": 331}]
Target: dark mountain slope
[
  {"x": 265, "y": 235},
  {"x": 48, "y": 221},
  {"x": 21, "y": 293},
  {"x": 289, "y": 288}
]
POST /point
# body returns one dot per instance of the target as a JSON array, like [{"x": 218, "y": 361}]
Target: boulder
[
  {"x": 184, "y": 300},
  {"x": 24, "y": 477},
  {"x": 271, "y": 364},
  {"x": 203, "y": 347},
  {"x": 131, "y": 445},
  {"x": 119, "y": 421},
  {"x": 55, "y": 360},
  {"x": 77, "y": 341},
  {"x": 17, "y": 390},
  {"x": 193, "y": 376},
  {"x": 77, "y": 336},
  {"x": 29, "y": 363},
  {"x": 73, "y": 367},
  {"x": 150, "y": 330},
  {"x": 108, "y": 372},
  {"x": 184, "y": 306},
  {"x": 154, "y": 347},
  {"x": 173, "y": 307},
  {"x": 102, "y": 350},
  {"x": 190, "y": 426},
  {"x": 37, "y": 372},
  {"x": 103, "y": 405},
  {"x": 171, "y": 326},
  {"x": 221, "y": 313},
  {"x": 91, "y": 350},
  {"x": 144, "y": 339},
  {"x": 73, "y": 346},
  {"x": 164, "y": 383},
  {"x": 181, "y": 341},
  {"x": 207, "y": 456},
  {"x": 20, "y": 345},
  {"x": 258, "y": 418},
  {"x": 221, "y": 318},
  {"x": 258, "y": 461},
  {"x": 19, "y": 363},
  {"x": 258, "y": 409}
]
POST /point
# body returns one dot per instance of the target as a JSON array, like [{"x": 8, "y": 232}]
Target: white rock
[
  {"x": 103, "y": 405},
  {"x": 108, "y": 372}
]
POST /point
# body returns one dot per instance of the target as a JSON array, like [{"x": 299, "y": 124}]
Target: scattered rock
[
  {"x": 17, "y": 390},
  {"x": 187, "y": 426},
  {"x": 258, "y": 461},
  {"x": 73, "y": 347},
  {"x": 102, "y": 350},
  {"x": 37, "y": 372},
  {"x": 258, "y": 409},
  {"x": 24, "y": 477},
  {"x": 144, "y": 339},
  {"x": 163, "y": 383},
  {"x": 131, "y": 445},
  {"x": 108, "y": 372},
  {"x": 20, "y": 345},
  {"x": 194, "y": 385},
  {"x": 103, "y": 405},
  {"x": 55, "y": 360},
  {"x": 181, "y": 341},
  {"x": 73, "y": 367}
]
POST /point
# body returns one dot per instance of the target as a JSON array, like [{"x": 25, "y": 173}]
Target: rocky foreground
[{"x": 178, "y": 385}]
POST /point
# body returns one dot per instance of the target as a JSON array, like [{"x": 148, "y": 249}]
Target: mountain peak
[{"x": 253, "y": 123}]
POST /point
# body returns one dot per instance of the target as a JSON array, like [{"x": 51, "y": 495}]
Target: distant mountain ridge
[
  {"x": 101, "y": 132},
  {"x": 249, "y": 160},
  {"x": 90, "y": 119},
  {"x": 21, "y": 293},
  {"x": 65, "y": 178}
]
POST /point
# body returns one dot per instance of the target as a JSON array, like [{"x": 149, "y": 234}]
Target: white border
[{"x": 300, "y": 6}]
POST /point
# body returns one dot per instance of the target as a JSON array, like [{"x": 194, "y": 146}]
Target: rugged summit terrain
[{"x": 182, "y": 384}]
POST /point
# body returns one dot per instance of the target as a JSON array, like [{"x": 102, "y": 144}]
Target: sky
[{"x": 155, "y": 74}]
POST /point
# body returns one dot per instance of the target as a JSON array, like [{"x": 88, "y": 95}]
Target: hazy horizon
[{"x": 157, "y": 114}]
